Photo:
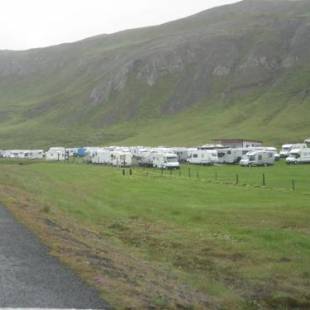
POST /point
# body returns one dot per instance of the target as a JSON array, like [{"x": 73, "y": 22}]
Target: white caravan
[
  {"x": 258, "y": 158},
  {"x": 299, "y": 156},
  {"x": 166, "y": 161},
  {"x": 102, "y": 156},
  {"x": 121, "y": 159},
  {"x": 34, "y": 154},
  {"x": 286, "y": 149},
  {"x": 231, "y": 155},
  {"x": 56, "y": 153},
  {"x": 203, "y": 157}
]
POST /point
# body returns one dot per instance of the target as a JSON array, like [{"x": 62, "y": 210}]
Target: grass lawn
[{"x": 193, "y": 238}]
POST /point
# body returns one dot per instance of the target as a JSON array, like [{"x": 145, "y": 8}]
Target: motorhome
[
  {"x": 34, "y": 154},
  {"x": 231, "y": 155},
  {"x": 258, "y": 158},
  {"x": 299, "y": 156},
  {"x": 102, "y": 157},
  {"x": 203, "y": 157},
  {"x": 286, "y": 148},
  {"x": 166, "y": 161},
  {"x": 56, "y": 154},
  {"x": 121, "y": 159}
]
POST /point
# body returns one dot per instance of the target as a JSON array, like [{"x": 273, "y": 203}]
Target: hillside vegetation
[{"x": 236, "y": 71}]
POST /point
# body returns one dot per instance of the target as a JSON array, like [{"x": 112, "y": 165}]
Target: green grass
[{"x": 199, "y": 241}]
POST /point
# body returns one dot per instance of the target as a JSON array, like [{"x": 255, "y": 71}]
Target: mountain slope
[{"x": 240, "y": 70}]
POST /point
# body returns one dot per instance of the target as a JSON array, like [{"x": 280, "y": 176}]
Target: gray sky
[{"x": 35, "y": 23}]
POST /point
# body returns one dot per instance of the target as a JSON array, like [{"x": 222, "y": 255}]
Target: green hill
[{"x": 241, "y": 70}]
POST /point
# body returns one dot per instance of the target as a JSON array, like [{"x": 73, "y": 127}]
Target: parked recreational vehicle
[
  {"x": 102, "y": 156},
  {"x": 166, "y": 161},
  {"x": 286, "y": 149},
  {"x": 299, "y": 156},
  {"x": 231, "y": 155},
  {"x": 203, "y": 157},
  {"x": 121, "y": 159},
  {"x": 258, "y": 158},
  {"x": 56, "y": 153},
  {"x": 34, "y": 154}
]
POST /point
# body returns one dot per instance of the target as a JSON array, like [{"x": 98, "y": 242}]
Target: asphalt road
[{"x": 30, "y": 278}]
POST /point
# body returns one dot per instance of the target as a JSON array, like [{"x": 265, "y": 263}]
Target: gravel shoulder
[{"x": 30, "y": 277}]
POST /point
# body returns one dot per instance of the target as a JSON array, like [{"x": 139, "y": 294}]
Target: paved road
[{"x": 29, "y": 277}]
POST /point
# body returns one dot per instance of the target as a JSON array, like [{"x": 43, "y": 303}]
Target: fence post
[
  {"x": 264, "y": 179},
  {"x": 180, "y": 172},
  {"x": 171, "y": 172},
  {"x": 123, "y": 171},
  {"x": 237, "y": 179},
  {"x": 130, "y": 171},
  {"x": 189, "y": 172},
  {"x": 293, "y": 185},
  {"x": 197, "y": 174}
]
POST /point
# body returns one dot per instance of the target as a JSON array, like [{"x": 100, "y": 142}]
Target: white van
[
  {"x": 166, "y": 161},
  {"x": 258, "y": 158},
  {"x": 203, "y": 157},
  {"x": 56, "y": 153},
  {"x": 299, "y": 156}
]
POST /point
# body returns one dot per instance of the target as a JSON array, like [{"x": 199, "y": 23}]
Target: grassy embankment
[{"x": 170, "y": 240}]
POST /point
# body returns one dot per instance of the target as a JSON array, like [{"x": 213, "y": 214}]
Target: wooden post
[
  {"x": 123, "y": 171},
  {"x": 264, "y": 179},
  {"x": 293, "y": 185},
  {"x": 237, "y": 179},
  {"x": 130, "y": 171},
  {"x": 189, "y": 172}
]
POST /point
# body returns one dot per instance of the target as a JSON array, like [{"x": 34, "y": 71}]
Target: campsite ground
[{"x": 194, "y": 238}]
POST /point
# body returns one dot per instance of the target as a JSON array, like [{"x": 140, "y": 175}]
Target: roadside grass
[{"x": 165, "y": 240}]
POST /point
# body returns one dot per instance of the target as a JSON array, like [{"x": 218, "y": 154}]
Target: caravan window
[
  {"x": 252, "y": 158},
  {"x": 260, "y": 157},
  {"x": 195, "y": 156}
]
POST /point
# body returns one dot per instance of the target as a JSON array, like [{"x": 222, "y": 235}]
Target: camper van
[
  {"x": 203, "y": 157},
  {"x": 166, "y": 161},
  {"x": 299, "y": 156},
  {"x": 121, "y": 159},
  {"x": 286, "y": 149},
  {"x": 231, "y": 156},
  {"x": 258, "y": 158},
  {"x": 56, "y": 154}
]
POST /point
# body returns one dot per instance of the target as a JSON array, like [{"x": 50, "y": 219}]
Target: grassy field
[{"x": 191, "y": 239}]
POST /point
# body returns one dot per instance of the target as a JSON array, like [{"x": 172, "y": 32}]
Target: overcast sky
[{"x": 27, "y": 24}]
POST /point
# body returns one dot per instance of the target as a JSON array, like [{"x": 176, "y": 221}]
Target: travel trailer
[
  {"x": 166, "y": 161},
  {"x": 121, "y": 159},
  {"x": 56, "y": 154},
  {"x": 299, "y": 156},
  {"x": 258, "y": 158},
  {"x": 203, "y": 157}
]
